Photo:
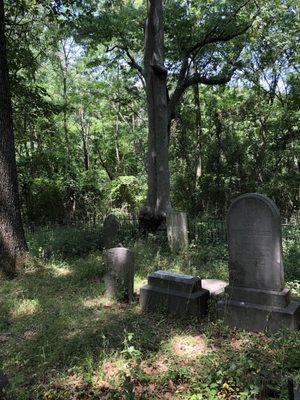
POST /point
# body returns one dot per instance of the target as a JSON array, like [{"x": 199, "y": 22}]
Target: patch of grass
[
  {"x": 61, "y": 338},
  {"x": 61, "y": 242}
]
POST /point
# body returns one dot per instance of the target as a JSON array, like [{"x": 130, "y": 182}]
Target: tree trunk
[
  {"x": 85, "y": 140},
  {"x": 64, "y": 62},
  {"x": 157, "y": 205},
  {"x": 12, "y": 238},
  {"x": 198, "y": 166}
]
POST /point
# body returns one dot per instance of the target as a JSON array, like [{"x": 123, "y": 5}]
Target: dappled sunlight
[
  {"x": 57, "y": 322},
  {"x": 238, "y": 343},
  {"x": 156, "y": 367},
  {"x": 29, "y": 335},
  {"x": 100, "y": 301},
  {"x": 25, "y": 307},
  {"x": 59, "y": 271},
  {"x": 190, "y": 346}
]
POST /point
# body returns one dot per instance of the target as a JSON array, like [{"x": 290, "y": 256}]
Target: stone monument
[
  {"x": 111, "y": 231},
  {"x": 177, "y": 231},
  {"x": 119, "y": 273},
  {"x": 256, "y": 297},
  {"x": 174, "y": 293}
]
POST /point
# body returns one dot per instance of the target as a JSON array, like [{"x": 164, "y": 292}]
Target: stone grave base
[
  {"x": 174, "y": 302},
  {"x": 259, "y": 296},
  {"x": 258, "y": 317},
  {"x": 174, "y": 293}
]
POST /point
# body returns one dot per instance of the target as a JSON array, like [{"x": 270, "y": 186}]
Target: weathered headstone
[
  {"x": 111, "y": 231},
  {"x": 119, "y": 273},
  {"x": 177, "y": 231},
  {"x": 257, "y": 299},
  {"x": 174, "y": 293}
]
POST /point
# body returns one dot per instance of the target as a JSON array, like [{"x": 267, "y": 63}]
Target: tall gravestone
[
  {"x": 111, "y": 231},
  {"x": 256, "y": 297},
  {"x": 177, "y": 231}
]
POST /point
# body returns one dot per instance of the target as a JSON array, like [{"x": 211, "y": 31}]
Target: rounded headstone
[
  {"x": 111, "y": 230},
  {"x": 119, "y": 275},
  {"x": 255, "y": 246}
]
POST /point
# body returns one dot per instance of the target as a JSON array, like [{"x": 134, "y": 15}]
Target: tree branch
[
  {"x": 209, "y": 38},
  {"x": 222, "y": 36},
  {"x": 192, "y": 80},
  {"x": 132, "y": 62}
]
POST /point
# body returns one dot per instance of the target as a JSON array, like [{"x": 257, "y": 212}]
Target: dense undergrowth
[{"x": 61, "y": 338}]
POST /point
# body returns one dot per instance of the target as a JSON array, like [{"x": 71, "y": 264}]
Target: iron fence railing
[
  {"x": 205, "y": 231},
  {"x": 200, "y": 231}
]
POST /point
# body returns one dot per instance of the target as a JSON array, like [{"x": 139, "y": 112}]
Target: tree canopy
[{"x": 78, "y": 83}]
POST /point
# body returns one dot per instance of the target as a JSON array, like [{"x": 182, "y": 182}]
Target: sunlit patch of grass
[
  {"x": 25, "y": 307},
  {"x": 189, "y": 346},
  {"x": 98, "y": 302}
]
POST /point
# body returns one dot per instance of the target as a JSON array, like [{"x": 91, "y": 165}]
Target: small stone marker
[
  {"x": 111, "y": 230},
  {"x": 257, "y": 299},
  {"x": 177, "y": 231},
  {"x": 119, "y": 275},
  {"x": 215, "y": 287},
  {"x": 174, "y": 293}
]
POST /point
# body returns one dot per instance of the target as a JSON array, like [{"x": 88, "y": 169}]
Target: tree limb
[
  {"x": 192, "y": 80},
  {"x": 213, "y": 37}
]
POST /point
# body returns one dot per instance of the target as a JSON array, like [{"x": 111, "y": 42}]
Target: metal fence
[{"x": 204, "y": 231}]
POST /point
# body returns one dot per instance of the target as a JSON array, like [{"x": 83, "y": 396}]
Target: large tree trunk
[
  {"x": 198, "y": 123},
  {"x": 157, "y": 205},
  {"x": 12, "y": 239}
]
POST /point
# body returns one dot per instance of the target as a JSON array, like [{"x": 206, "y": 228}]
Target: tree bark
[
  {"x": 64, "y": 63},
  {"x": 12, "y": 238},
  {"x": 198, "y": 163},
  {"x": 157, "y": 205},
  {"x": 85, "y": 139}
]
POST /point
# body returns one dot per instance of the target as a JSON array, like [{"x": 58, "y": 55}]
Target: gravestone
[
  {"x": 174, "y": 293},
  {"x": 111, "y": 231},
  {"x": 257, "y": 299},
  {"x": 177, "y": 231},
  {"x": 119, "y": 273}
]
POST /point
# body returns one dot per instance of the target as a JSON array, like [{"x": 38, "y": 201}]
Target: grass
[{"x": 61, "y": 338}]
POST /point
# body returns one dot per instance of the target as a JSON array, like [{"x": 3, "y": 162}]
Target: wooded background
[{"x": 80, "y": 107}]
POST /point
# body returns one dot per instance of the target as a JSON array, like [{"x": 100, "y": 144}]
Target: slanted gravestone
[
  {"x": 257, "y": 299},
  {"x": 177, "y": 231},
  {"x": 111, "y": 231},
  {"x": 119, "y": 273},
  {"x": 174, "y": 293}
]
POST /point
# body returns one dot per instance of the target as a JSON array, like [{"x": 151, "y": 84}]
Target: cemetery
[
  {"x": 149, "y": 200},
  {"x": 144, "y": 320}
]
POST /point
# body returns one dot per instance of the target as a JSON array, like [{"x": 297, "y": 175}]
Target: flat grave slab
[{"x": 174, "y": 293}]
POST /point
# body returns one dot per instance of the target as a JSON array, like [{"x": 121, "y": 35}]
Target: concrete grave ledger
[
  {"x": 257, "y": 299},
  {"x": 174, "y": 293}
]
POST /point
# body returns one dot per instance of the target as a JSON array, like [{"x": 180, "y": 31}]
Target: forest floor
[{"x": 62, "y": 339}]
